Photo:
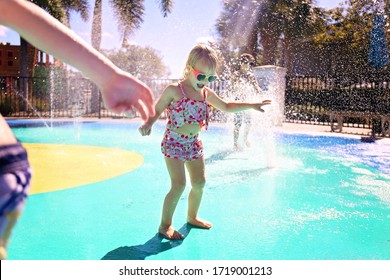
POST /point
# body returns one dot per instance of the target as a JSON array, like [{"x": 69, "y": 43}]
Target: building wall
[{"x": 10, "y": 59}]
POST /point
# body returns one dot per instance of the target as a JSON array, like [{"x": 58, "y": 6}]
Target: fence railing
[
  {"x": 62, "y": 97},
  {"x": 308, "y": 99},
  {"x": 41, "y": 97}
]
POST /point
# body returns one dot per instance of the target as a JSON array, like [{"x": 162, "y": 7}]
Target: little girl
[
  {"x": 244, "y": 86},
  {"x": 187, "y": 103}
]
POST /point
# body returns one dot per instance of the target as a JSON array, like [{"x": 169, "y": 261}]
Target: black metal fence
[
  {"x": 308, "y": 99},
  {"x": 58, "y": 97},
  {"x": 45, "y": 97}
]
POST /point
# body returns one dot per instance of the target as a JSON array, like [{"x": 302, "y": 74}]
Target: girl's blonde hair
[{"x": 201, "y": 51}]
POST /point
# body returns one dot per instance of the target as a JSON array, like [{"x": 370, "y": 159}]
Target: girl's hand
[
  {"x": 145, "y": 129},
  {"x": 263, "y": 103}
]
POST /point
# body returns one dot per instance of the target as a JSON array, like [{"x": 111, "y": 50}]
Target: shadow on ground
[
  {"x": 218, "y": 156},
  {"x": 153, "y": 246}
]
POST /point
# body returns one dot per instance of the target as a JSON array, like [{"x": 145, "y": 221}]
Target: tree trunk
[
  {"x": 96, "y": 31},
  {"x": 270, "y": 47},
  {"x": 23, "y": 74},
  {"x": 252, "y": 45},
  {"x": 96, "y": 41},
  {"x": 288, "y": 48}
]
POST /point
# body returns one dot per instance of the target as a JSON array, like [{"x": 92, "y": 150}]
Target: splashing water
[
  {"x": 261, "y": 126},
  {"x": 35, "y": 111}
]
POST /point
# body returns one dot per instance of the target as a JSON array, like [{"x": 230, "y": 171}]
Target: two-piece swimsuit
[
  {"x": 15, "y": 175},
  {"x": 185, "y": 111}
]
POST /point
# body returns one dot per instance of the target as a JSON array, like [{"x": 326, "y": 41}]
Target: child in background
[
  {"x": 244, "y": 86},
  {"x": 187, "y": 103},
  {"x": 121, "y": 92}
]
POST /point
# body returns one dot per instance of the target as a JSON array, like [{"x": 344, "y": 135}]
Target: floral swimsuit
[{"x": 185, "y": 111}]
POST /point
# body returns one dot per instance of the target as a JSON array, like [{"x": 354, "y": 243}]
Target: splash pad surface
[
  {"x": 288, "y": 197},
  {"x": 58, "y": 167}
]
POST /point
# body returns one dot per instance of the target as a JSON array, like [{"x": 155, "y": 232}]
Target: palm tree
[
  {"x": 301, "y": 20},
  {"x": 236, "y": 22},
  {"x": 96, "y": 35},
  {"x": 80, "y": 6},
  {"x": 269, "y": 27},
  {"x": 129, "y": 15},
  {"x": 266, "y": 22}
]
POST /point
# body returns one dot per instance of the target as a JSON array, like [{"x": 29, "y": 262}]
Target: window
[
  {"x": 10, "y": 54},
  {"x": 10, "y": 63}
]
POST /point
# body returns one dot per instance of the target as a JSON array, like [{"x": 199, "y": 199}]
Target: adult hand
[{"x": 124, "y": 93}]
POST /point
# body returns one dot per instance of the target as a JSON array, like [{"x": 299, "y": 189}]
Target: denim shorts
[{"x": 15, "y": 176}]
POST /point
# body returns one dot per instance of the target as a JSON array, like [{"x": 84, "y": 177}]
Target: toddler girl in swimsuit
[{"x": 188, "y": 104}]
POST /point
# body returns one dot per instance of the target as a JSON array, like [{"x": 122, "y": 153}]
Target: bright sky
[{"x": 191, "y": 21}]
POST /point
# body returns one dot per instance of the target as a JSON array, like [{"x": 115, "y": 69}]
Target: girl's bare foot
[
  {"x": 170, "y": 233},
  {"x": 196, "y": 222}
]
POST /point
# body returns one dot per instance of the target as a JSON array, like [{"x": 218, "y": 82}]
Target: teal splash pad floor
[{"x": 325, "y": 198}]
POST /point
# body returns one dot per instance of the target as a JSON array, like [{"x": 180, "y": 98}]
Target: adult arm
[{"x": 121, "y": 91}]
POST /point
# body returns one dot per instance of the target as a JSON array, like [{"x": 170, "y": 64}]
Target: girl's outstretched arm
[
  {"x": 232, "y": 107},
  {"x": 121, "y": 91}
]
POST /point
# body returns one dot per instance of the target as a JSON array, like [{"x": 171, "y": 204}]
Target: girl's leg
[
  {"x": 236, "y": 133},
  {"x": 196, "y": 170},
  {"x": 176, "y": 171},
  {"x": 246, "y": 134}
]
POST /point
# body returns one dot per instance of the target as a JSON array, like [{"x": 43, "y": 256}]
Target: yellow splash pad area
[{"x": 57, "y": 167}]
